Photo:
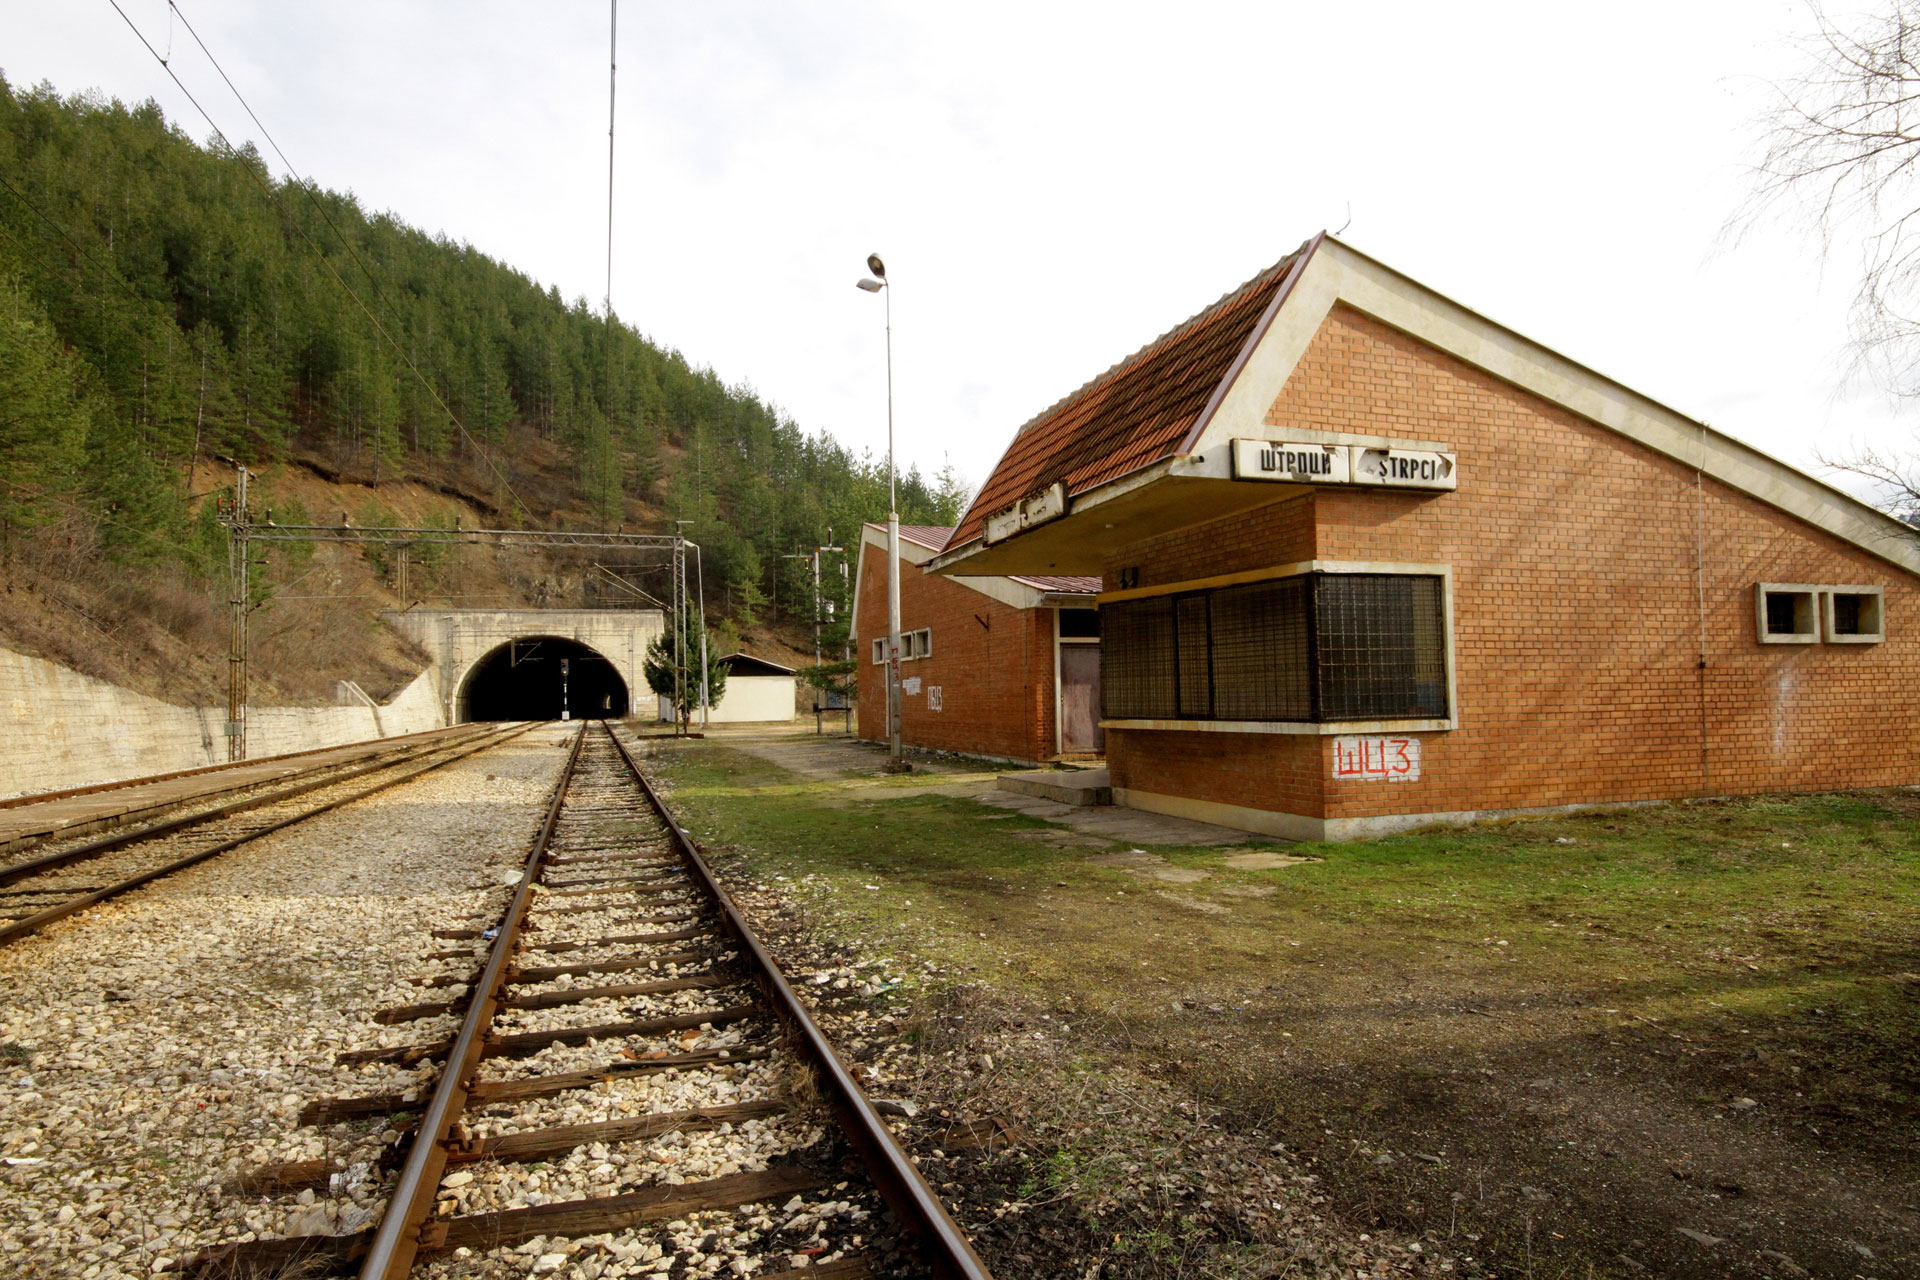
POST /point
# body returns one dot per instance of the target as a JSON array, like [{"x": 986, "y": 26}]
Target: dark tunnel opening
[{"x": 541, "y": 677}]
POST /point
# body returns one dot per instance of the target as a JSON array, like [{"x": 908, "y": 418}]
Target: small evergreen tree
[{"x": 663, "y": 679}]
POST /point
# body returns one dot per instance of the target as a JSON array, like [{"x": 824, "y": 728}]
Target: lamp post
[{"x": 896, "y": 761}]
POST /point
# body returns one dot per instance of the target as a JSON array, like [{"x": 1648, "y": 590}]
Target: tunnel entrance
[{"x": 539, "y": 678}]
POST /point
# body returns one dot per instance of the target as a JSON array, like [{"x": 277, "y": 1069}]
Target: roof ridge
[{"x": 1106, "y": 375}]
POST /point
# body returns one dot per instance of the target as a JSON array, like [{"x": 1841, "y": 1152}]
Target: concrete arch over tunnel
[
  {"x": 458, "y": 641},
  {"x": 542, "y": 678}
]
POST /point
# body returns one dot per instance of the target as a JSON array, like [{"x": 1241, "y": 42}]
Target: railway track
[
  {"x": 633, "y": 1089},
  {"x": 30, "y": 821},
  {"x": 39, "y": 890}
]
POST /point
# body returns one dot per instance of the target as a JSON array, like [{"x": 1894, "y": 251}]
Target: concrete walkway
[{"x": 856, "y": 766}]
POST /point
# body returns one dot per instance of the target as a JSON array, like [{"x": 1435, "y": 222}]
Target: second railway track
[
  {"x": 38, "y": 890},
  {"x": 633, "y": 1089}
]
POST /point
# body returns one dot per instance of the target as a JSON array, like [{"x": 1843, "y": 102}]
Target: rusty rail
[
  {"x": 391, "y": 1254},
  {"x": 919, "y": 1210}
]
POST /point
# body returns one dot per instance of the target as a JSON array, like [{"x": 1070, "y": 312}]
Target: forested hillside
[{"x": 167, "y": 309}]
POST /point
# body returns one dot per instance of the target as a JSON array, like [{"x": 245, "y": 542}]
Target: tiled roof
[
  {"x": 931, "y": 536},
  {"x": 1136, "y": 413},
  {"x": 1065, "y": 585}
]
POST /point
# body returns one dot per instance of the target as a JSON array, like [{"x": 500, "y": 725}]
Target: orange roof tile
[
  {"x": 1138, "y": 412},
  {"x": 931, "y": 536}
]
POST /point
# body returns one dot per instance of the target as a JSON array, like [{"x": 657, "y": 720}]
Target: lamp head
[
  {"x": 871, "y": 286},
  {"x": 876, "y": 266}
]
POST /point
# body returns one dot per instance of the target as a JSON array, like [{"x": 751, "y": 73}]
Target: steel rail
[
  {"x": 34, "y": 923},
  {"x": 919, "y": 1210},
  {"x": 48, "y": 797},
  {"x": 391, "y": 1254},
  {"x": 17, "y": 871}
]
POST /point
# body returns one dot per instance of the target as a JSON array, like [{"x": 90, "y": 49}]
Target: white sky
[{"x": 1052, "y": 185}]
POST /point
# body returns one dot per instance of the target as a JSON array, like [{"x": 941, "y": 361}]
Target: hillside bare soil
[{"x": 163, "y": 631}]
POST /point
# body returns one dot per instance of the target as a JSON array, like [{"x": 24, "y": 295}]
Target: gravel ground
[
  {"x": 803, "y": 1231},
  {"x": 159, "y": 1046}
]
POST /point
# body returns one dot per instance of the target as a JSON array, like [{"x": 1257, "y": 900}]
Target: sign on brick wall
[
  {"x": 1376, "y": 759},
  {"x": 1292, "y": 462}
]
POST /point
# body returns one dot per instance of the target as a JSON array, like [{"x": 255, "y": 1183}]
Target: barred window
[
  {"x": 1137, "y": 660},
  {"x": 1313, "y": 648}
]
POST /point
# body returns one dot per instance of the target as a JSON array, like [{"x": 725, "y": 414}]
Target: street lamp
[{"x": 896, "y": 761}]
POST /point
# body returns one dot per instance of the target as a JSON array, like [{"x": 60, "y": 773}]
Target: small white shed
[{"x": 757, "y": 691}]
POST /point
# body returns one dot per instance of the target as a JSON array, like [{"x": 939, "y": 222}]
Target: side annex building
[
  {"x": 1369, "y": 561},
  {"x": 1003, "y": 666}
]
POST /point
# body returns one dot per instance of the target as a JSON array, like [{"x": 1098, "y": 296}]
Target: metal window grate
[
  {"x": 1261, "y": 651},
  {"x": 1380, "y": 647},
  {"x": 1193, "y": 641},
  {"x": 1137, "y": 660},
  {"x": 1312, "y": 648}
]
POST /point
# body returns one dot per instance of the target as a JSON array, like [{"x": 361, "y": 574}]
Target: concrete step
[{"x": 1065, "y": 786}]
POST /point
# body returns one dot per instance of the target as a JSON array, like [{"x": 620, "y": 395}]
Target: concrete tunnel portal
[{"x": 539, "y": 678}]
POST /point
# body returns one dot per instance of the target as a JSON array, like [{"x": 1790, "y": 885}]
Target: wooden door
[{"x": 1080, "y": 729}]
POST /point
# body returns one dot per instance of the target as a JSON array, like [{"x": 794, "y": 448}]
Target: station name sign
[
  {"x": 1303, "y": 463},
  {"x": 1049, "y": 504}
]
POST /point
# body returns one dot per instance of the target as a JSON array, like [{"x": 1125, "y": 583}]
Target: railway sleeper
[
  {"x": 556, "y": 999},
  {"x": 632, "y": 939},
  {"x": 546, "y": 1144},
  {"x": 525, "y": 1043}
]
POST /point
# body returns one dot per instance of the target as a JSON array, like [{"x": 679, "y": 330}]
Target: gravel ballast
[{"x": 158, "y": 1048}]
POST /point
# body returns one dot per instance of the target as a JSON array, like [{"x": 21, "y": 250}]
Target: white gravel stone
[{"x": 176, "y": 1031}]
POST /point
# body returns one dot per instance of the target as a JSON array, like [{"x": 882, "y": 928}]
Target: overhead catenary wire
[
  {"x": 613, "y": 69},
  {"x": 325, "y": 261}
]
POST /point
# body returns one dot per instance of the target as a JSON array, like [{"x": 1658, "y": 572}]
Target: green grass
[{"x": 1800, "y": 913}]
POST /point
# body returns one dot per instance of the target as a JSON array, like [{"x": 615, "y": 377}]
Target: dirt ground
[{"x": 1680, "y": 1042}]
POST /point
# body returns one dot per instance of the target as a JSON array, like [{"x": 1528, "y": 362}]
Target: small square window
[
  {"x": 1855, "y": 615},
  {"x": 1786, "y": 613},
  {"x": 879, "y": 652},
  {"x": 917, "y": 644}
]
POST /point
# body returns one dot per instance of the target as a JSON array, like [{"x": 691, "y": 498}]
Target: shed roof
[
  {"x": 1148, "y": 443},
  {"x": 931, "y": 536},
  {"x": 1136, "y": 413},
  {"x": 934, "y": 537},
  {"x": 745, "y": 664}
]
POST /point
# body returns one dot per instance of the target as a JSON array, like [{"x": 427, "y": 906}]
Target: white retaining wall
[{"x": 61, "y": 729}]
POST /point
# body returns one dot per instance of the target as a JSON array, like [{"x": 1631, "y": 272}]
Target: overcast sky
[{"x": 1052, "y": 185}]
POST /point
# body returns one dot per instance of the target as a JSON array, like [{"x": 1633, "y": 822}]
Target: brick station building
[
  {"x": 1370, "y": 561},
  {"x": 999, "y": 666}
]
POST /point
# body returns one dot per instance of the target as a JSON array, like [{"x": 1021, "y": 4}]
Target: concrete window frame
[
  {"x": 879, "y": 651},
  {"x": 1806, "y": 612},
  {"x": 1871, "y": 612},
  {"x": 1329, "y": 728}
]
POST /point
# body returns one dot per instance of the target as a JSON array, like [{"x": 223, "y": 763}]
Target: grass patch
[{"x": 1559, "y": 1003}]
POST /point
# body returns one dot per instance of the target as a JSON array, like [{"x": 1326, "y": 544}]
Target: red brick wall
[
  {"x": 993, "y": 664},
  {"x": 1577, "y": 615}
]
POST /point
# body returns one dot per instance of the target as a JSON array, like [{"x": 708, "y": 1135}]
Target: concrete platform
[{"x": 1078, "y": 787}]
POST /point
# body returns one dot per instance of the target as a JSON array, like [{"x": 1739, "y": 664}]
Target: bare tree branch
[{"x": 1840, "y": 157}]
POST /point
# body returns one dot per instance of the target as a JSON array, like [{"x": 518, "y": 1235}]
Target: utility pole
[
  {"x": 239, "y": 588},
  {"x": 817, "y": 553},
  {"x": 680, "y": 716}
]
